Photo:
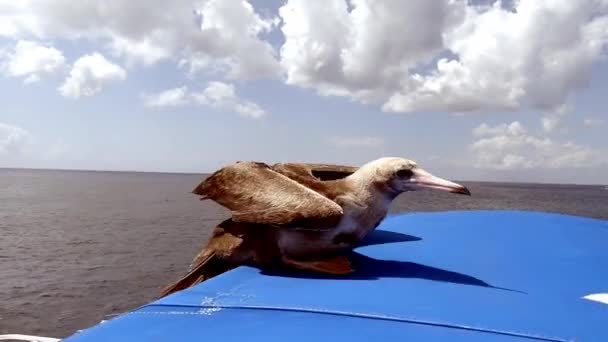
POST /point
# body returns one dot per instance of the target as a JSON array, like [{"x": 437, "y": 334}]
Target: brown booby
[{"x": 300, "y": 216}]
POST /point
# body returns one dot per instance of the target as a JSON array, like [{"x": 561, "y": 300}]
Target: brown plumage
[
  {"x": 297, "y": 215},
  {"x": 282, "y": 195},
  {"x": 251, "y": 191}
]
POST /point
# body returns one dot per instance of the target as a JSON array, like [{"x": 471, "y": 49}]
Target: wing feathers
[
  {"x": 257, "y": 194},
  {"x": 322, "y": 172}
]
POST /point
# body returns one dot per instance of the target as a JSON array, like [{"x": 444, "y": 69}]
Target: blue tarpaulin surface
[{"x": 448, "y": 276}]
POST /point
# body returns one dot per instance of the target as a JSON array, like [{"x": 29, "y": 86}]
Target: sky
[{"x": 471, "y": 90}]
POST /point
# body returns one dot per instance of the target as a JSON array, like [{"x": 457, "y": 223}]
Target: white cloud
[
  {"x": 591, "y": 122},
  {"x": 148, "y": 31},
  {"x": 222, "y": 96},
  {"x": 13, "y": 139},
  {"x": 514, "y": 128},
  {"x": 145, "y": 51},
  {"x": 507, "y": 147},
  {"x": 168, "y": 98},
  {"x": 405, "y": 56},
  {"x": 31, "y": 61},
  {"x": 15, "y": 18},
  {"x": 553, "y": 119},
  {"x": 490, "y": 58},
  {"x": 508, "y": 59},
  {"x": 89, "y": 75},
  {"x": 358, "y": 142},
  {"x": 364, "y": 53},
  {"x": 231, "y": 29},
  {"x": 218, "y": 95},
  {"x": 550, "y": 123}
]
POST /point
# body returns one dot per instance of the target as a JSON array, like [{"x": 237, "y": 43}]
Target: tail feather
[{"x": 208, "y": 266}]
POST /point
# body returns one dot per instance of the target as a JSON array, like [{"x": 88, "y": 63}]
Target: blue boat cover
[{"x": 449, "y": 276}]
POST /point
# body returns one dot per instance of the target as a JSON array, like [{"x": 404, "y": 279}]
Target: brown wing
[
  {"x": 322, "y": 178},
  {"x": 255, "y": 193},
  {"x": 323, "y": 172}
]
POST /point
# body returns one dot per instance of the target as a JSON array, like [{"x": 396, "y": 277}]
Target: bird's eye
[{"x": 404, "y": 173}]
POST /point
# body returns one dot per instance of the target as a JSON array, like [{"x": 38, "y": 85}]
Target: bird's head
[{"x": 397, "y": 175}]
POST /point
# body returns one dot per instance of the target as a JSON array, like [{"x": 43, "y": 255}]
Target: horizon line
[{"x": 206, "y": 173}]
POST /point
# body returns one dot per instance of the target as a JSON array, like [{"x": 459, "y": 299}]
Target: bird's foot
[{"x": 337, "y": 266}]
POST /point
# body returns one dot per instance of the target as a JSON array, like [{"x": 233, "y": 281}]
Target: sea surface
[{"x": 77, "y": 247}]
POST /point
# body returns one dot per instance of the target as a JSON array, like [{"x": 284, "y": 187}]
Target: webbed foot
[{"x": 340, "y": 265}]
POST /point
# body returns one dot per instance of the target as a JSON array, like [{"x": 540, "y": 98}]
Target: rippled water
[{"x": 77, "y": 246}]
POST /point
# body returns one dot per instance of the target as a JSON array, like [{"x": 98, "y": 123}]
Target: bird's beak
[{"x": 423, "y": 179}]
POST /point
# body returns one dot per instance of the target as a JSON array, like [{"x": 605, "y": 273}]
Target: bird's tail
[{"x": 206, "y": 266}]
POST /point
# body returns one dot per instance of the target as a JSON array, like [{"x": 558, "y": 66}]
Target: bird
[{"x": 300, "y": 216}]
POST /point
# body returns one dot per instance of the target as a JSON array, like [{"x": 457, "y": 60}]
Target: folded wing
[
  {"x": 318, "y": 172},
  {"x": 256, "y": 193}
]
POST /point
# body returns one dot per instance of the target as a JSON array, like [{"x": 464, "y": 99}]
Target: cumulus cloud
[
  {"x": 364, "y": 52},
  {"x": 510, "y": 146},
  {"x": 230, "y": 30},
  {"x": 14, "y": 18},
  {"x": 149, "y": 31},
  {"x": 89, "y": 75},
  {"x": 31, "y": 61},
  {"x": 553, "y": 119},
  {"x": 514, "y": 128},
  {"x": 405, "y": 56},
  {"x": 487, "y": 57},
  {"x": 506, "y": 59},
  {"x": 218, "y": 95},
  {"x": 167, "y": 98},
  {"x": 222, "y": 96},
  {"x": 13, "y": 139},
  {"x": 358, "y": 142},
  {"x": 550, "y": 123}
]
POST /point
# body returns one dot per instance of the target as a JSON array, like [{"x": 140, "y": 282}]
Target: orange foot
[{"x": 337, "y": 266}]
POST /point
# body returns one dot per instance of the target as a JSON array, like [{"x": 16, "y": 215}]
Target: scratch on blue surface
[{"x": 353, "y": 314}]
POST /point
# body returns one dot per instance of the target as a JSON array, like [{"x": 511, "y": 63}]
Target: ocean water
[{"x": 76, "y": 247}]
